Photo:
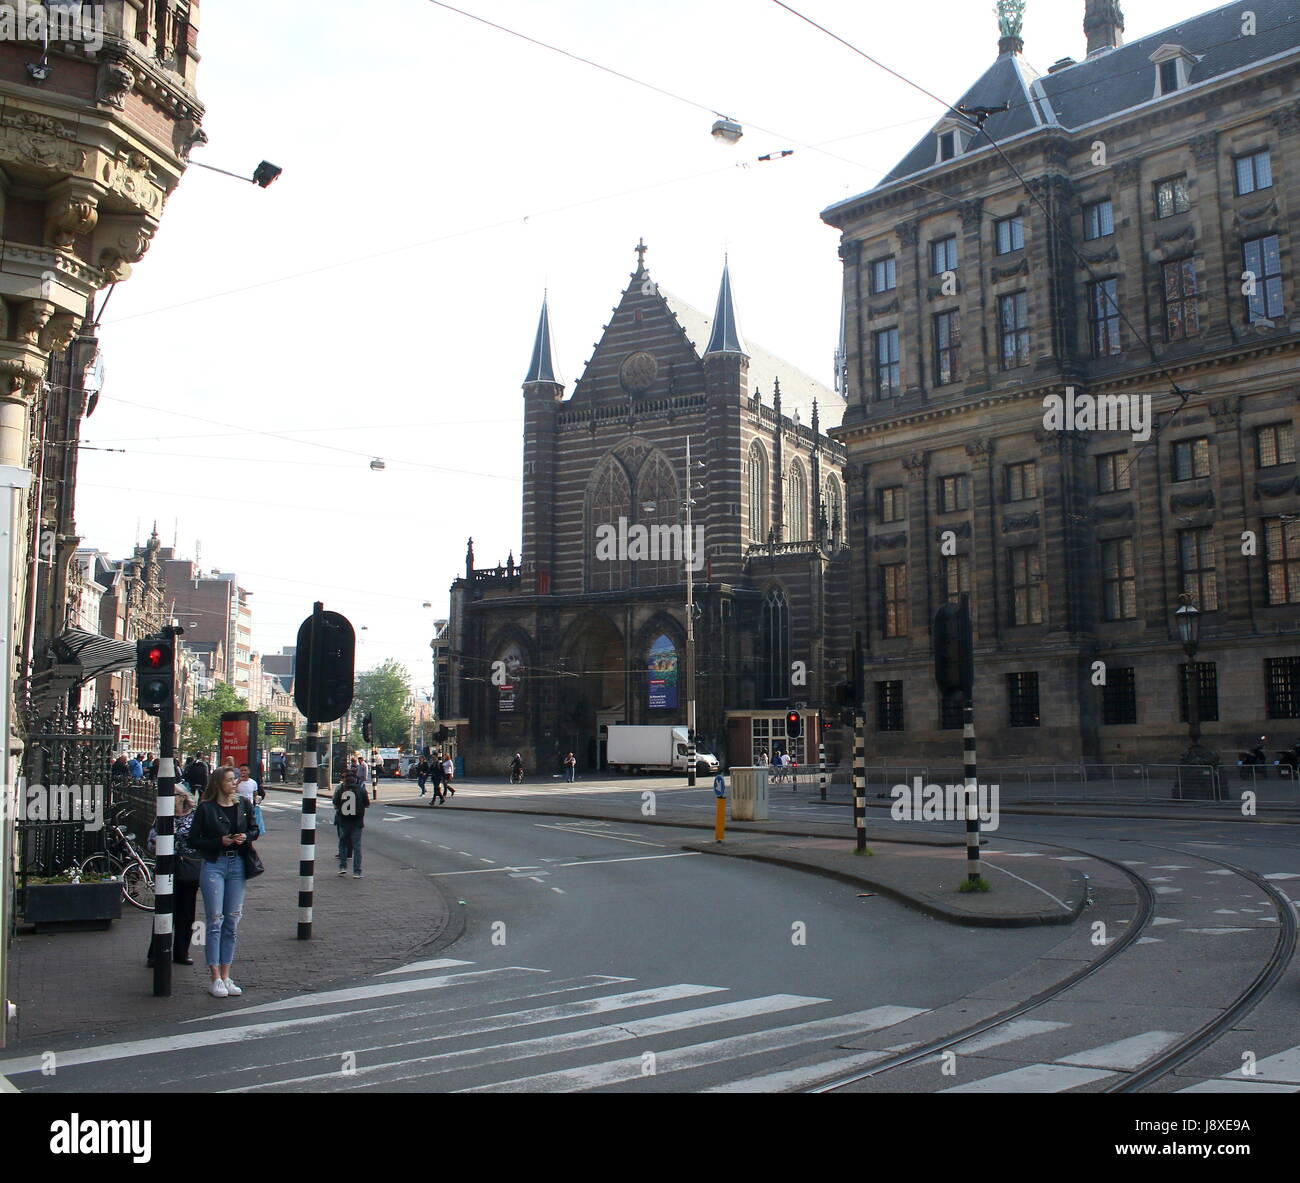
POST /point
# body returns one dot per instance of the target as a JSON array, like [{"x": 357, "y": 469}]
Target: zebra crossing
[{"x": 452, "y": 1025}]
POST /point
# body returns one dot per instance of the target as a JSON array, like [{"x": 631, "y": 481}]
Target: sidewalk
[{"x": 97, "y": 981}]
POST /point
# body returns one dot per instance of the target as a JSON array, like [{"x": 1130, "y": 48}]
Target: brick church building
[{"x": 588, "y": 628}]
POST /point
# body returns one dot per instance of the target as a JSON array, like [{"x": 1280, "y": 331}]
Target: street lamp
[{"x": 1187, "y": 619}]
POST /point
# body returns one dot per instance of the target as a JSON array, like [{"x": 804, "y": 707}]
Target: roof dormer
[
  {"x": 952, "y": 139},
  {"x": 1174, "y": 65}
]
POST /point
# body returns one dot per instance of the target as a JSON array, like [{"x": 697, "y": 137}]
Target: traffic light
[
  {"x": 155, "y": 674},
  {"x": 367, "y": 729},
  {"x": 954, "y": 664},
  {"x": 793, "y": 725},
  {"x": 444, "y": 734}
]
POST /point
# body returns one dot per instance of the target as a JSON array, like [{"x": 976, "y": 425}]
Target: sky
[{"x": 381, "y": 298}]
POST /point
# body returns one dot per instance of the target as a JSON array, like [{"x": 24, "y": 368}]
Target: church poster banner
[{"x": 662, "y": 675}]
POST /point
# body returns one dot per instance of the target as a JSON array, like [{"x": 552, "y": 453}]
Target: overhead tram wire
[{"x": 978, "y": 120}]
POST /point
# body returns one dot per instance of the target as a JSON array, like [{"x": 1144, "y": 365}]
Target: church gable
[{"x": 644, "y": 352}]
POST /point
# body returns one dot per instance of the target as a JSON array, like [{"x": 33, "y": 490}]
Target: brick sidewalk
[{"x": 97, "y": 982}]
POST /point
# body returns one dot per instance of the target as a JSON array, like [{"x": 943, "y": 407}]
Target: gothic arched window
[
  {"x": 796, "y": 508},
  {"x": 609, "y": 500},
  {"x": 756, "y": 486},
  {"x": 774, "y": 643},
  {"x": 834, "y": 513},
  {"x": 660, "y": 512}
]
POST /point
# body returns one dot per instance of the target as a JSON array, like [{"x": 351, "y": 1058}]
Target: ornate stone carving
[
  {"x": 1188, "y": 231},
  {"x": 1013, "y": 269},
  {"x": 1205, "y": 147},
  {"x": 1225, "y": 412},
  {"x": 851, "y": 252},
  {"x": 129, "y": 177},
  {"x": 186, "y": 135},
  {"x": 1020, "y": 521},
  {"x": 909, "y": 233},
  {"x": 972, "y": 214},
  {"x": 33, "y": 316},
  {"x": 1255, "y": 212},
  {"x": 1202, "y": 500},
  {"x": 58, "y": 334},
  {"x": 889, "y": 309},
  {"x": 121, "y": 242},
  {"x": 69, "y": 215},
  {"x": 980, "y": 451},
  {"x": 42, "y": 141},
  {"x": 1110, "y": 513},
  {"x": 1126, "y": 172},
  {"x": 1052, "y": 442},
  {"x": 1278, "y": 488},
  {"x": 960, "y": 529},
  {"x": 916, "y": 464},
  {"x": 889, "y": 541},
  {"x": 1286, "y": 119},
  {"x": 113, "y": 83},
  {"x": 1096, "y": 257}
]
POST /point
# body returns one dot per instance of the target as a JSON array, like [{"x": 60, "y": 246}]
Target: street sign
[{"x": 325, "y": 655}]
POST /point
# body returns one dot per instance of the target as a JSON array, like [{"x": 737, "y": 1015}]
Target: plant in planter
[{"x": 72, "y": 901}]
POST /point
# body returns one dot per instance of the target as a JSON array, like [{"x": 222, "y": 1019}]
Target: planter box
[{"x": 52, "y": 906}]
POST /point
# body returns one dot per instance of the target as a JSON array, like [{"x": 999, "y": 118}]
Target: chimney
[{"x": 1104, "y": 23}]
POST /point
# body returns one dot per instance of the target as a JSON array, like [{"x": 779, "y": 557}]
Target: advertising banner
[{"x": 662, "y": 675}]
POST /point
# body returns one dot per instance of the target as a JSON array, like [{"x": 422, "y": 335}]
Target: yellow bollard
[{"x": 720, "y": 820}]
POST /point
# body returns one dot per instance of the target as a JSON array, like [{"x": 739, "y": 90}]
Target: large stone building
[
  {"x": 588, "y": 629},
  {"x": 1128, "y": 246}
]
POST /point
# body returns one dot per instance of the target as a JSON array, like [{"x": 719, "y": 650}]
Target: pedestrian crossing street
[{"x": 448, "y": 1025}]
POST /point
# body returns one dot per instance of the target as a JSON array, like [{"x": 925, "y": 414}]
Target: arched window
[
  {"x": 796, "y": 506},
  {"x": 834, "y": 513},
  {"x": 609, "y": 500},
  {"x": 756, "y": 485},
  {"x": 660, "y": 512},
  {"x": 774, "y": 643}
]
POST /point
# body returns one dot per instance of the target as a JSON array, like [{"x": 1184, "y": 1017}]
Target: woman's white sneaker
[
  {"x": 231, "y": 989},
  {"x": 218, "y": 989}
]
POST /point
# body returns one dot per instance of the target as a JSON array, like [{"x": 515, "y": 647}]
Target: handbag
[{"x": 253, "y": 865}]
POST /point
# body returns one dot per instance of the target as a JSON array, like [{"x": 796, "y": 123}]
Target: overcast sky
[{"x": 380, "y": 300}]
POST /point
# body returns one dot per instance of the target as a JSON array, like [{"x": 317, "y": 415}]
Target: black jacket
[
  {"x": 195, "y": 775},
  {"x": 353, "y": 814},
  {"x": 211, "y": 823}
]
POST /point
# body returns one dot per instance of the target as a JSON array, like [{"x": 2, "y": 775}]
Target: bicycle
[{"x": 124, "y": 861}]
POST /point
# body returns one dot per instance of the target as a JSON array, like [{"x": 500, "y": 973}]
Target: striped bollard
[
  {"x": 307, "y": 840},
  {"x": 821, "y": 766},
  {"x": 164, "y": 900},
  {"x": 860, "y": 781},
  {"x": 972, "y": 794}
]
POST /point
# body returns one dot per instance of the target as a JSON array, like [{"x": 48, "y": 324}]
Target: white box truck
[{"x": 656, "y": 747}]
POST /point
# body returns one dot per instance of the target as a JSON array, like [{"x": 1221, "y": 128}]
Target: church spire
[
  {"x": 542, "y": 368},
  {"x": 725, "y": 337}
]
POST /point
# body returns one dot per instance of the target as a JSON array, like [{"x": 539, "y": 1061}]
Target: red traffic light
[
  {"x": 157, "y": 657},
  {"x": 793, "y": 725}
]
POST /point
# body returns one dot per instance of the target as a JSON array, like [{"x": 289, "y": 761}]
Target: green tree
[
  {"x": 382, "y": 693},
  {"x": 203, "y": 728}
]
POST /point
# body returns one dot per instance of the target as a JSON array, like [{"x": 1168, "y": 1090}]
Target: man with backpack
[{"x": 350, "y": 804}]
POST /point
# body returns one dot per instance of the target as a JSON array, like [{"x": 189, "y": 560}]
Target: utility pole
[{"x": 689, "y": 550}]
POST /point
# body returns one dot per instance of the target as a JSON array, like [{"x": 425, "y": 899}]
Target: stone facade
[{"x": 1105, "y": 247}]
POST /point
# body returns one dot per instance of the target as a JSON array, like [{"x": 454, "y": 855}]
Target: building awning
[{"x": 94, "y": 654}]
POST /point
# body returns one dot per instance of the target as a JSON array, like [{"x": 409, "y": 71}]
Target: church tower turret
[{"x": 543, "y": 394}]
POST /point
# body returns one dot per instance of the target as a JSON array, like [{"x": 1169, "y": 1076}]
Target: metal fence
[{"x": 1101, "y": 784}]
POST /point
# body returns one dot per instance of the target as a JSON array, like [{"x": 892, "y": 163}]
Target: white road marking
[
  {"x": 1239, "y": 1086},
  {"x": 633, "y": 858},
  {"x": 599, "y": 834},
  {"x": 1036, "y": 1078},
  {"x": 1279, "y": 875},
  {"x": 1124, "y": 1055},
  {"x": 466, "y": 853},
  {"x": 549, "y": 1045},
  {"x": 422, "y": 966},
  {"x": 479, "y": 871},
  {"x": 487, "y": 860},
  {"x": 1217, "y": 931},
  {"x": 558, "y": 890},
  {"x": 1168, "y": 890},
  {"x": 1173, "y": 867},
  {"x": 1150, "y": 941},
  {"x": 1284, "y": 1067},
  {"x": 397, "y": 817},
  {"x": 1165, "y": 920},
  {"x": 1064, "y": 906},
  {"x": 699, "y": 1054},
  {"x": 1220, "y": 872}
]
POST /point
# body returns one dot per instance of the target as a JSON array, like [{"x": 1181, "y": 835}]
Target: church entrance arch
[{"x": 593, "y": 680}]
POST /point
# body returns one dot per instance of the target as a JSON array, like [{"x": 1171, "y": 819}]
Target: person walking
[
  {"x": 188, "y": 867},
  {"x": 570, "y": 767},
  {"x": 222, "y": 832},
  {"x": 136, "y": 767},
  {"x": 439, "y": 797},
  {"x": 350, "y": 805},
  {"x": 517, "y": 770},
  {"x": 254, "y": 794},
  {"x": 448, "y": 769},
  {"x": 422, "y": 773},
  {"x": 195, "y": 774}
]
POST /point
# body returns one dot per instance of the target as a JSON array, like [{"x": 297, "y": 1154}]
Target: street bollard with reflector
[{"x": 720, "y": 807}]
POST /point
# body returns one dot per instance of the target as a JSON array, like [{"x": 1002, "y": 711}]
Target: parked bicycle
[{"x": 125, "y": 861}]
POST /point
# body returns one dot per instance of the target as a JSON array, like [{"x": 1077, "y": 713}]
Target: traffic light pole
[
  {"x": 689, "y": 550},
  {"x": 164, "y": 899},
  {"x": 307, "y": 840}
]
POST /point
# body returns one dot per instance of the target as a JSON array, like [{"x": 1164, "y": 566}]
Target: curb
[{"x": 928, "y": 907}]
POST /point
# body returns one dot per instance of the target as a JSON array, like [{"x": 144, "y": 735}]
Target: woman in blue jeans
[{"x": 222, "y": 829}]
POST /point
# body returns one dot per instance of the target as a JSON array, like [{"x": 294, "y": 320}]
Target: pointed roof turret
[
  {"x": 543, "y": 368},
  {"x": 726, "y": 333}
]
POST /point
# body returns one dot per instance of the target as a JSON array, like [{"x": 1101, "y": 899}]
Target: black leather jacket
[{"x": 211, "y": 824}]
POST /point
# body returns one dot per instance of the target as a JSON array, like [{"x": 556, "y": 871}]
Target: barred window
[
  {"x": 892, "y": 503},
  {"x": 1262, "y": 258},
  {"x": 1207, "y": 681},
  {"x": 1010, "y": 234},
  {"x": 947, "y": 348},
  {"x": 1026, "y": 586},
  {"x": 1113, "y": 473},
  {"x": 954, "y": 493},
  {"x": 1022, "y": 481},
  {"x": 887, "y": 371},
  {"x": 956, "y": 576},
  {"x": 889, "y": 706},
  {"x": 943, "y": 255},
  {"x": 1282, "y": 559},
  {"x": 1099, "y": 219},
  {"x": 1182, "y": 309},
  {"x": 1119, "y": 696},
  {"x": 1103, "y": 317},
  {"x": 1274, "y": 444},
  {"x": 1022, "y": 699},
  {"x": 1282, "y": 687},
  {"x": 1254, "y": 172},
  {"x": 1118, "y": 580},
  {"x": 884, "y": 275},
  {"x": 1196, "y": 567},
  {"x": 1172, "y": 197},
  {"x": 1013, "y": 317},
  {"x": 893, "y": 599},
  {"x": 1191, "y": 459}
]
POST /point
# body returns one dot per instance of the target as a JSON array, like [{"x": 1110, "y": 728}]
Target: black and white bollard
[
  {"x": 821, "y": 767},
  {"x": 972, "y": 795},
  {"x": 164, "y": 899},
  {"x": 860, "y": 781},
  {"x": 307, "y": 840}
]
